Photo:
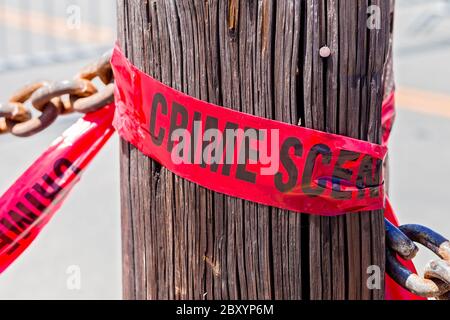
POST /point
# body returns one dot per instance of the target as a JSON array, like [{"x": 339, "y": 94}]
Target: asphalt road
[{"x": 86, "y": 231}]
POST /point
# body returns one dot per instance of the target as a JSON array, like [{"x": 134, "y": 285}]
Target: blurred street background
[{"x": 49, "y": 39}]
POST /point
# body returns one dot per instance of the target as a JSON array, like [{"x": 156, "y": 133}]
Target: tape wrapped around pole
[{"x": 304, "y": 170}]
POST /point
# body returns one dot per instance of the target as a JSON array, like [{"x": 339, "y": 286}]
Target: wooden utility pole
[{"x": 181, "y": 241}]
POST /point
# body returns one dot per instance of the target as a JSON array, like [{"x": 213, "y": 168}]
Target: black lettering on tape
[
  {"x": 8, "y": 225},
  {"x": 231, "y": 130},
  {"x": 6, "y": 241},
  {"x": 21, "y": 221},
  {"x": 181, "y": 113},
  {"x": 288, "y": 165},
  {"x": 158, "y": 101},
  {"x": 245, "y": 154},
  {"x": 369, "y": 176},
  {"x": 43, "y": 192},
  {"x": 210, "y": 123},
  {"x": 341, "y": 174},
  {"x": 30, "y": 214},
  {"x": 318, "y": 150},
  {"x": 35, "y": 202},
  {"x": 61, "y": 166},
  {"x": 195, "y": 135}
]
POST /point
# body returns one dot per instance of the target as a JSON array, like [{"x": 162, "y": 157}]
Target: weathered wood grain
[{"x": 181, "y": 241}]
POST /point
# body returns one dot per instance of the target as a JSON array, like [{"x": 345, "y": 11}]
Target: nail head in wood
[{"x": 325, "y": 52}]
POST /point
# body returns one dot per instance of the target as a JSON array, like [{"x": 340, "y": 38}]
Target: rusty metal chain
[
  {"x": 47, "y": 98},
  {"x": 400, "y": 241}
]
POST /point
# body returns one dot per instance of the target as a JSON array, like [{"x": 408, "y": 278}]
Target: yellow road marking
[
  {"x": 40, "y": 23},
  {"x": 423, "y": 101},
  {"x": 57, "y": 27}
]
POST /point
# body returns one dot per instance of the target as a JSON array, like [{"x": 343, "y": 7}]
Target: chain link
[
  {"x": 400, "y": 241},
  {"x": 48, "y": 99}
]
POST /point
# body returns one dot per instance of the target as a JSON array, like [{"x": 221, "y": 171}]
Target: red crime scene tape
[
  {"x": 29, "y": 204},
  {"x": 319, "y": 173}
]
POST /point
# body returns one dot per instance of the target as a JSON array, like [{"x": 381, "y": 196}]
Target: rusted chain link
[
  {"x": 48, "y": 98},
  {"x": 400, "y": 241}
]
